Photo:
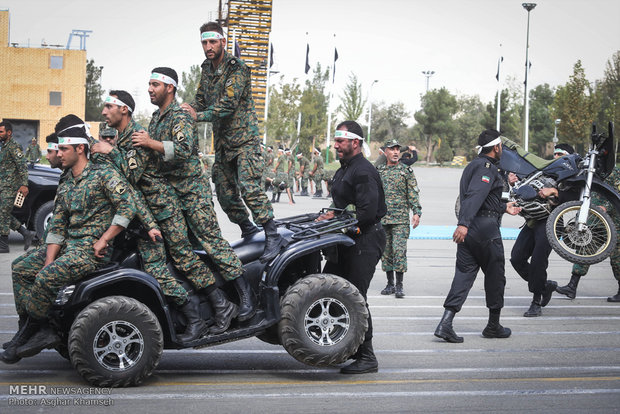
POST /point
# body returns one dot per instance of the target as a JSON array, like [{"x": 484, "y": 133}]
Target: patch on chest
[
  {"x": 486, "y": 179},
  {"x": 133, "y": 164}
]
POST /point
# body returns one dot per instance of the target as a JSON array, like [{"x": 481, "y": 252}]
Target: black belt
[
  {"x": 488, "y": 213},
  {"x": 371, "y": 228}
]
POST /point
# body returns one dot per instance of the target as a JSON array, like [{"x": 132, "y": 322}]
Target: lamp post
[
  {"x": 370, "y": 109},
  {"x": 428, "y": 74},
  {"x": 555, "y": 131},
  {"x": 526, "y": 104}
]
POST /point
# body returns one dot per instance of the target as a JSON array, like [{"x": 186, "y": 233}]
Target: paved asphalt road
[{"x": 568, "y": 360}]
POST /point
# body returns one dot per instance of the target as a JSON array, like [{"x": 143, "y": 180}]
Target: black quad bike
[
  {"x": 577, "y": 230},
  {"x": 116, "y": 323}
]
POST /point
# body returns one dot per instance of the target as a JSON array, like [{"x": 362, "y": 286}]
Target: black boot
[
  {"x": 278, "y": 196},
  {"x": 20, "y": 324},
  {"x": 534, "y": 310},
  {"x": 45, "y": 338},
  {"x": 196, "y": 326},
  {"x": 389, "y": 288},
  {"x": 304, "y": 193},
  {"x": 493, "y": 328},
  {"x": 366, "y": 361},
  {"x": 247, "y": 307},
  {"x": 273, "y": 197},
  {"x": 248, "y": 229},
  {"x": 550, "y": 287},
  {"x": 4, "y": 244},
  {"x": 224, "y": 311},
  {"x": 28, "y": 236},
  {"x": 570, "y": 290},
  {"x": 444, "y": 329},
  {"x": 30, "y": 327},
  {"x": 273, "y": 241},
  {"x": 318, "y": 194},
  {"x": 399, "y": 285},
  {"x": 616, "y": 297}
]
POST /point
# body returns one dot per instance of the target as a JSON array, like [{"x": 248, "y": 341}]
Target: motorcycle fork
[{"x": 582, "y": 218}]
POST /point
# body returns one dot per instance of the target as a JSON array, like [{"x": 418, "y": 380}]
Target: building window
[
  {"x": 55, "y": 98},
  {"x": 55, "y": 62}
]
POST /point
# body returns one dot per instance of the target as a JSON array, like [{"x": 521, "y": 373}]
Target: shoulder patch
[
  {"x": 130, "y": 153},
  {"x": 229, "y": 82},
  {"x": 233, "y": 61},
  {"x": 487, "y": 165},
  {"x": 177, "y": 128},
  {"x": 112, "y": 183},
  {"x": 120, "y": 188},
  {"x": 180, "y": 136}
]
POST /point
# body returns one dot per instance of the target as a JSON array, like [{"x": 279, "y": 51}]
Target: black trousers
[
  {"x": 532, "y": 244},
  {"x": 482, "y": 249},
  {"x": 357, "y": 264}
]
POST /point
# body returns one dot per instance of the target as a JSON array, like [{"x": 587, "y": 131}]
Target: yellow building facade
[{"x": 39, "y": 86}]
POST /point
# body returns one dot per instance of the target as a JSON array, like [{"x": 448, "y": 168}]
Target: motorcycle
[{"x": 577, "y": 230}]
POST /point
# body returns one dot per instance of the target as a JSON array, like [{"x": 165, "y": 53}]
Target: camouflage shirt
[
  {"x": 318, "y": 163},
  {"x": 180, "y": 164},
  {"x": 14, "y": 172},
  {"x": 282, "y": 164},
  {"x": 224, "y": 97},
  {"x": 33, "y": 152},
  {"x": 269, "y": 158},
  {"x": 87, "y": 205},
  {"x": 304, "y": 166},
  {"x": 401, "y": 193},
  {"x": 613, "y": 180}
]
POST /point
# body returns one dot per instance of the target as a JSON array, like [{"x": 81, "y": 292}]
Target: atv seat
[{"x": 250, "y": 249}]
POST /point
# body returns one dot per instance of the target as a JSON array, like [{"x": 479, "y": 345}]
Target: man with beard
[
  {"x": 357, "y": 184},
  {"x": 479, "y": 239},
  {"x": 224, "y": 97}
]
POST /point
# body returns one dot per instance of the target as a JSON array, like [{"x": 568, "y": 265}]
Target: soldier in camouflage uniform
[
  {"x": 268, "y": 176},
  {"x": 579, "y": 270},
  {"x": 13, "y": 179},
  {"x": 172, "y": 135},
  {"x": 224, "y": 97},
  {"x": 317, "y": 172},
  {"x": 401, "y": 196},
  {"x": 33, "y": 152},
  {"x": 291, "y": 170},
  {"x": 281, "y": 180},
  {"x": 303, "y": 173},
  {"x": 107, "y": 133},
  {"x": 93, "y": 205}
]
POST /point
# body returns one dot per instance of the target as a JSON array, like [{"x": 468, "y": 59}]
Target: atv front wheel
[{"x": 324, "y": 320}]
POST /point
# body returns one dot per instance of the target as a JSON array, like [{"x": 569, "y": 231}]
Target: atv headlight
[{"x": 64, "y": 294}]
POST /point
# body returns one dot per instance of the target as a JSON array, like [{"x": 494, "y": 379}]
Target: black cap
[{"x": 565, "y": 148}]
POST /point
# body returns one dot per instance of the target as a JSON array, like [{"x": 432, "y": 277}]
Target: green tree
[
  {"x": 436, "y": 117},
  {"x": 388, "y": 122},
  {"x": 575, "y": 106},
  {"x": 444, "y": 153},
  {"x": 468, "y": 123},
  {"x": 313, "y": 108},
  {"x": 189, "y": 84},
  {"x": 94, "y": 92},
  {"x": 541, "y": 121},
  {"x": 609, "y": 92},
  {"x": 352, "y": 101},
  {"x": 283, "y": 113}
]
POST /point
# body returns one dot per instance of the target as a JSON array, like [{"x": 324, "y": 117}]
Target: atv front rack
[{"x": 305, "y": 226}]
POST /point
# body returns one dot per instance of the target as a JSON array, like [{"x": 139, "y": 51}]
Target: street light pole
[
  {"x": 428, "y": 74},
  {"x": 555, "y": 131},
  {"x": 526, "y": 104},
  {"x": 370, "y": 109}
]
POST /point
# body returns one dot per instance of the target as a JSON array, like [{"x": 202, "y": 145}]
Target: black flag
[
  {"x": 307, "y": 58},
  {"x": 271, "y": 57},
  {"x": 335, "y": 59},
  {"x": 499, "y": 62},
  {"x": 237, "y": 49}
]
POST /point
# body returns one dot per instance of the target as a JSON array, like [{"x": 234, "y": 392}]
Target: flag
[
  {"x": 271, "y": 57},
  {"x": 499, "y": 62},
  {"x": 335, "y": 59},
  {"x": 237, "y": 49},
  {"x": 307, "y": 58}
]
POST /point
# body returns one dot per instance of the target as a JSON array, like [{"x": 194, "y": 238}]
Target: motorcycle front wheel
[{"x": 593, "y": 244}]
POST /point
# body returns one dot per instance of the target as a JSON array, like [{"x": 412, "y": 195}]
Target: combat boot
[
  {"x": 9, "y": 356},
  {"x": 273, "y": 196},
  {"x": 444, "y": 329},
  {"x": 247, "y": 307},
  {"x": 318, "y": 194},
  {"x": 493, "y": 328},
  {"x": 535, "y": 307},
  {"x": 224, "y": 311},
  {"x": 570, "y": 290},
  {"x": 196, "y": 326},
  {"x": 273, "y": 241},
  {"x": 304, "y": 193},
  {"x": 4, "y": 244},
  {"x": 616, "y": 297},
  {"x": 398, "y": 292},
  {"x": 20, "y": 324},
  {"x": 389, "y": 288},
  {"x": 550, "y": 287},
  {"x": 46, "y": 337},
  {"x": 366, "y": 361},
  {"x": 278, "y": 196},
  {"x": 28, "y": 235},
  {"x": 248, "y": 229}
]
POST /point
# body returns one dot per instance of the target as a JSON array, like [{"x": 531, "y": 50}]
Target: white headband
[
  {"x": 163, "y": 78},
  {"x": 210, "y": 35},
  {"x": 116, "y": 101},
  {"x": 52, "y": 146},
  {"x": 351, "y": 135},
  {"x": 72, "y": 140},
  {"x": 493, "y": 143}
]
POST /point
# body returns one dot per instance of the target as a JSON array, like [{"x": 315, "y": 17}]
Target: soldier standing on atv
[{"x": 357, "y": 185}]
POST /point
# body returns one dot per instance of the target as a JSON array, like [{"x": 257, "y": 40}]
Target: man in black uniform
[
  {"x": 358, "y": 184},
  {"x": 479, "y": 239}
]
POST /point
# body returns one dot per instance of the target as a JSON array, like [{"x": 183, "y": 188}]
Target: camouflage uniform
[
  {"x": 304, "y": 164},
  {"x": 181, "y": 168},
  {"x": 290, "y": 163},
  {"x": 317, "y": 162},
  {"x": 33, "y": 152},
  {"x": 401, "y": 196},
  {"x": 267, "y": 170},
  {"x": 13, "y": 174},
  {"x": 224, "y": 97},
  {"x": 613, "y": 180},
  {"x": 85, "y": 207},
  {"x": 282, "y": 171}
]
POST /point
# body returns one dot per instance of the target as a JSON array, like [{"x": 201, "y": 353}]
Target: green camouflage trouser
[
  {"x": 304, "y": 182},
  {"x": 7, "y": 221},
  {"x": 395, "y": 254},
  {"x": 581, "y": 270},
  {"x": 24, "y": 271},
  {"x": 241, "y": 178},
  {"x": 154, "y": 260},
  {"x": 76, "y": 261},
  {"x": 318, "y": 181}
]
